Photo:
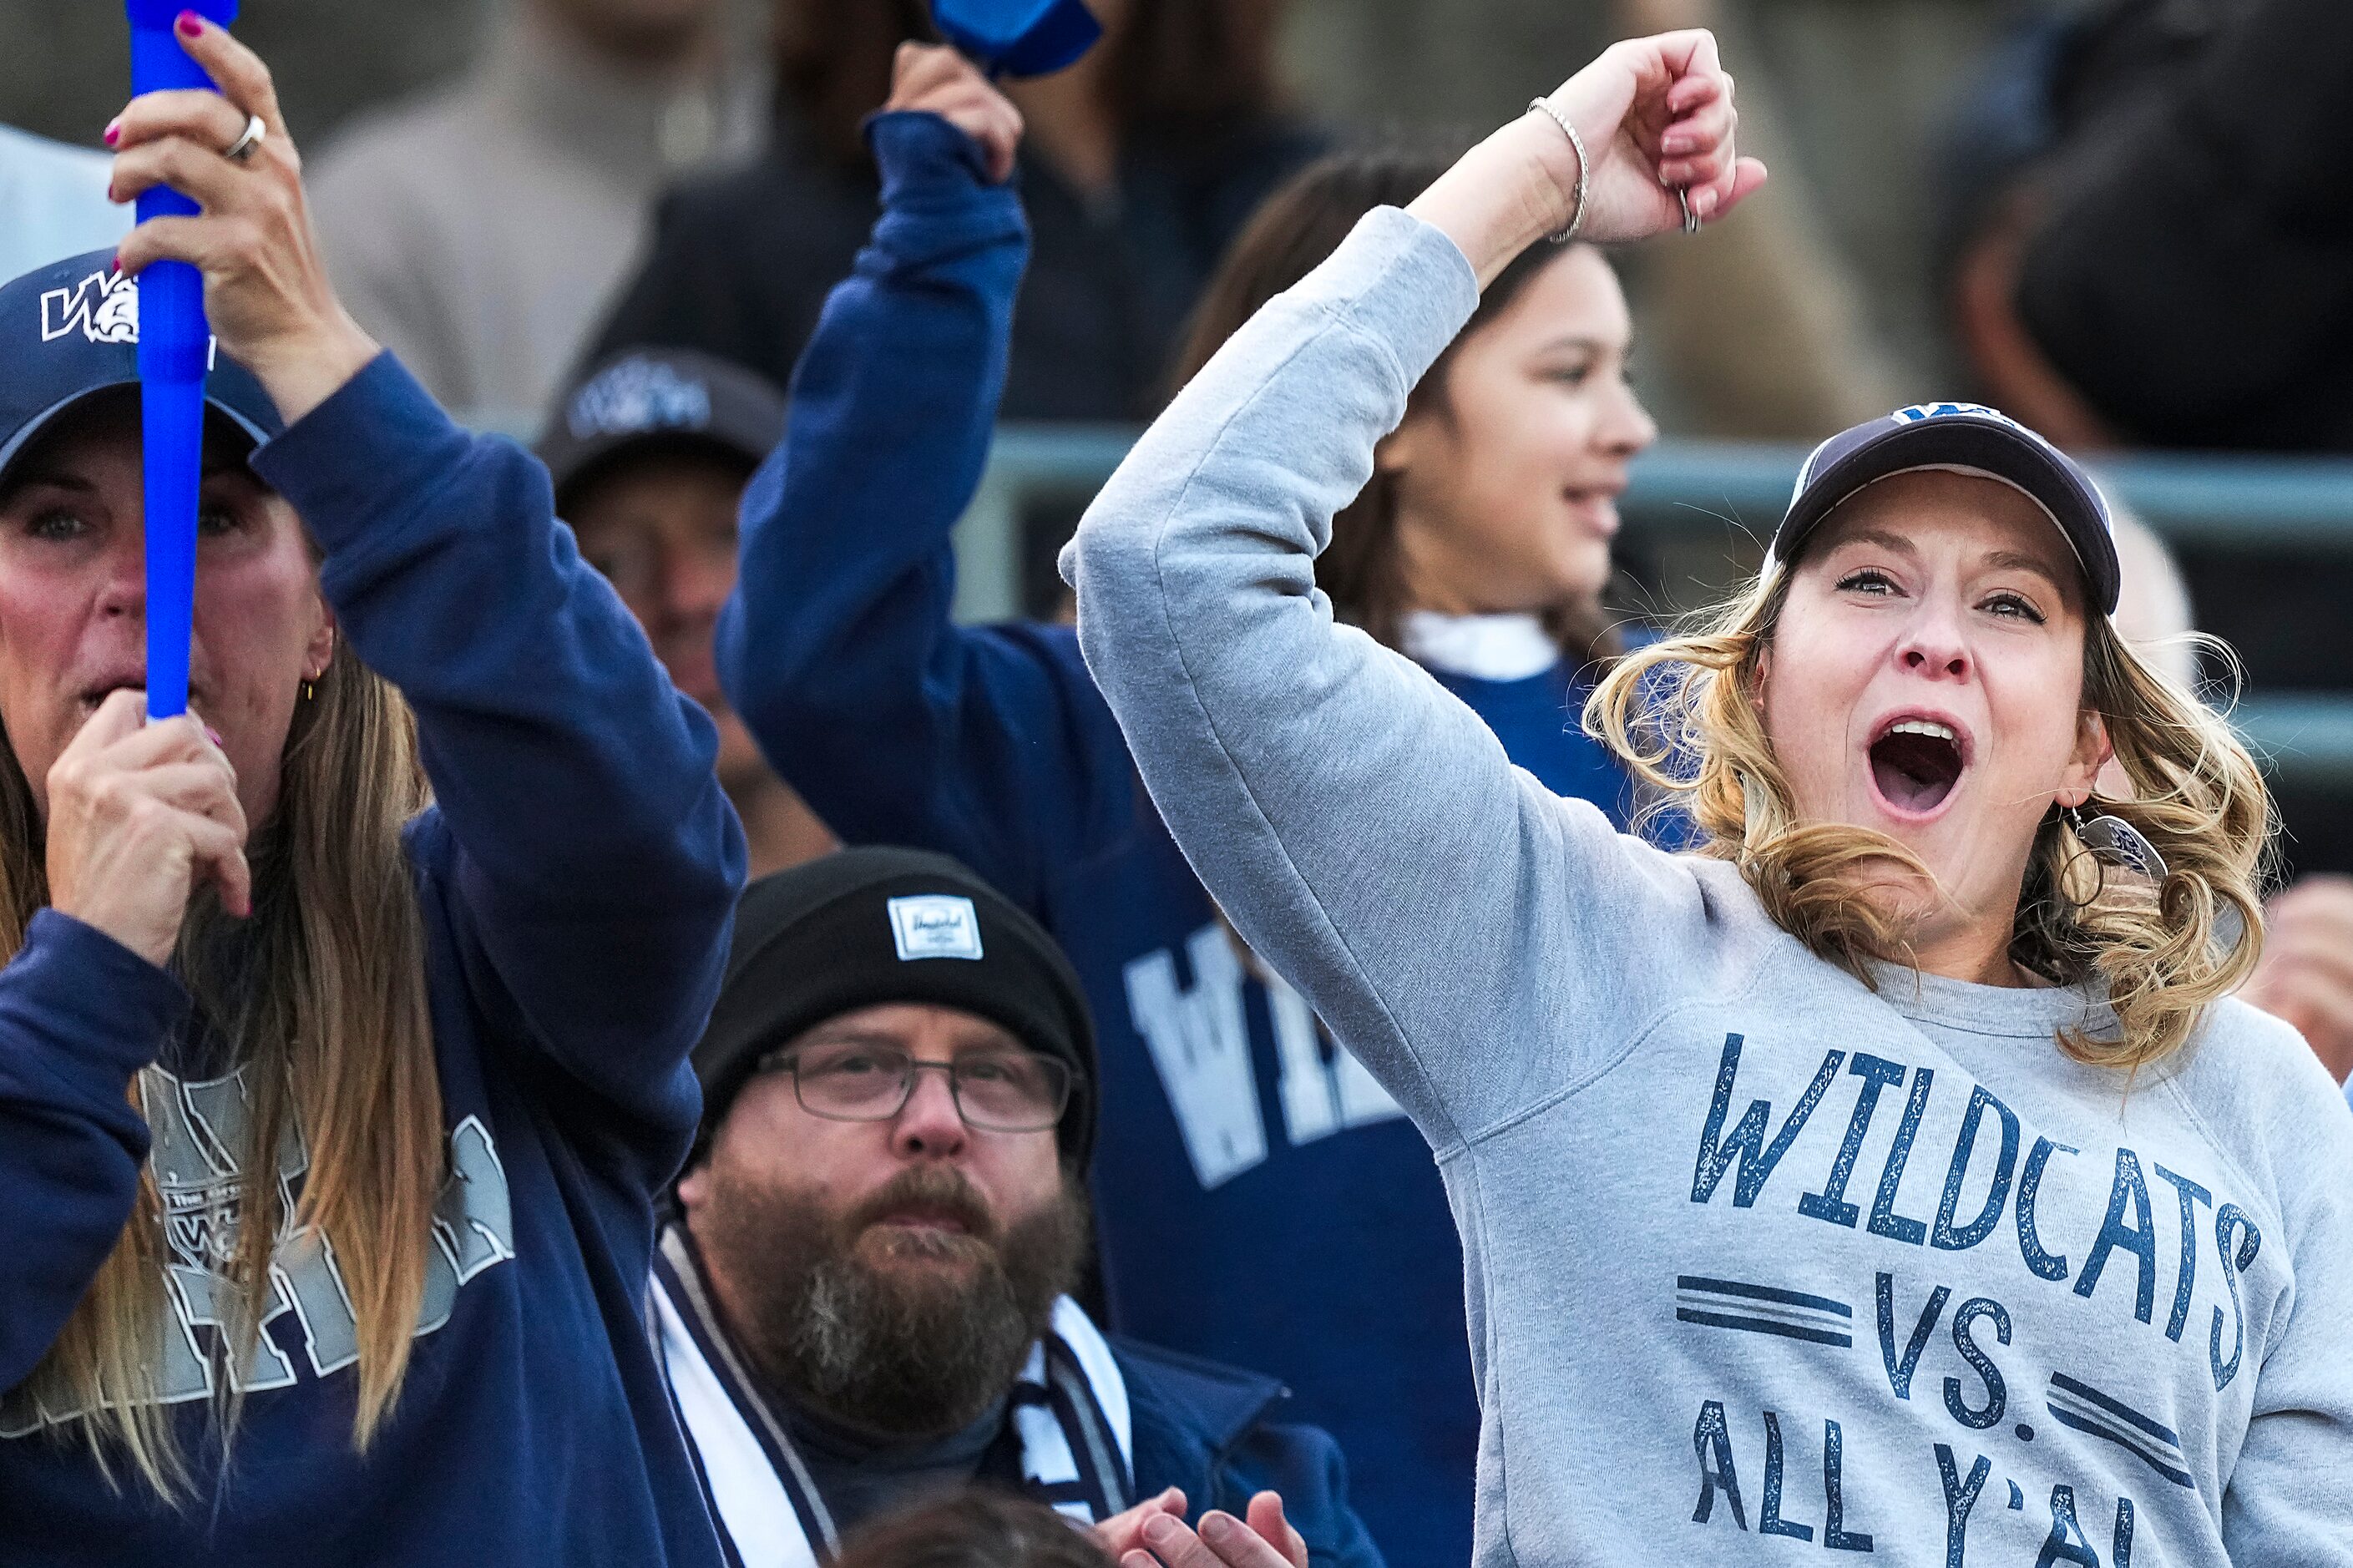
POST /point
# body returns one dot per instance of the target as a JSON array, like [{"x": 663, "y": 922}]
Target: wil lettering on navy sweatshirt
[
  {"x": 1234, "y": 1132},
  {"x": 577, "y": 878}
]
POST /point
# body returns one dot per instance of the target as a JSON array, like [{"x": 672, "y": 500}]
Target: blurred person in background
[
  {"x": 1142, "y": 161},
  {"x": 2307, "y": 976},
  {"x": 481, "y": 232},
  {"x": 649, "y": 454},
  {"x": 345, "y": 1021},
  {"x": 864, "y": 1299},
  {"x": 1483, "y": 547},
  {"x": 53, "y": 202},
  {"x": 2151, "y": 230}
]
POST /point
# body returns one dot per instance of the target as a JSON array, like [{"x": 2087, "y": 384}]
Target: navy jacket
[
  {"x": 1233, "y": 1131},
  {"x": 577, "y": 878},
  {"x": 1208, "y": 1429}
]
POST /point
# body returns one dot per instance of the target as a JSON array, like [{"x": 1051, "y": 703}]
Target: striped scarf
[{"x": 1068, "y": 1407}]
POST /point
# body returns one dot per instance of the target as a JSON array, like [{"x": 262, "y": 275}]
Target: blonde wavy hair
[
  {"x": 333, "y": 1031},
  {"x": 1684, "y": 715}
]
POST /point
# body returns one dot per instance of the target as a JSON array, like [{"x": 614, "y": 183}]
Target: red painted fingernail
[
  {"x": 118, "y": 263},
  {"x": 213, "y": 736},
  {"x": 191, "y": 25},
  {"x": 113, "y": 131}
]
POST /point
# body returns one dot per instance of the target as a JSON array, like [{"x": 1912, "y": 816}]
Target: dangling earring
[
  {"x": 308, "y": 691},
  {"x": 2114, "y": 839}
]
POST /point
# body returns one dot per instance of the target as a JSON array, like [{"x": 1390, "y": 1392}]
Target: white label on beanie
[{"x": 936, "y": 925}]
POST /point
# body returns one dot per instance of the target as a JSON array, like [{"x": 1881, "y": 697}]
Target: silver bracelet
[{"x": 1544, "y": 106}]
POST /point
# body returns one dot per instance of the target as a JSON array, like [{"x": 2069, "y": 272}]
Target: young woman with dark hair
[
  {"x": 1143, "y": 160},
  {"x": 344, "y": 1020},
  {"x": 1481, "y": 546},
  {"x": 1896, "y": 1175}
]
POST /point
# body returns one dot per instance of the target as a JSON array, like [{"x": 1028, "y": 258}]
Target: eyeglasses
[{"x": 997, "y": 1091}]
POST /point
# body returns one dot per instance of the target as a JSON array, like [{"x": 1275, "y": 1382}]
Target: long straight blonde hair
[
  {"x": 1684, "y": 715},
  {"x": 333, "y": 1029}
]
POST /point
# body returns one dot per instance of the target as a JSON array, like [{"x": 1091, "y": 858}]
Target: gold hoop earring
[{"x": 308, "y": 691}]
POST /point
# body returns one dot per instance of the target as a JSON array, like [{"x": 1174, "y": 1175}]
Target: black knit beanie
[{"x": 864, "y": 928}]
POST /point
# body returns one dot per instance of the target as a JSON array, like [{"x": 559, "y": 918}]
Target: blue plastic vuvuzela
[
  {"x": 174, "y": 352},
  {"x": 1018, "y": 38}
]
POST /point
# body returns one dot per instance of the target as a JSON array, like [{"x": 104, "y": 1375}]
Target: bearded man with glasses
[{"x": 863, "y": 1297}]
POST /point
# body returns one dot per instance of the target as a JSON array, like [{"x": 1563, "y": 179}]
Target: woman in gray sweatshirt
[{"x": 1892, "y": 1176}]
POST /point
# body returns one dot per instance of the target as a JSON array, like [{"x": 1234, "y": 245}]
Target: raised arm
[
  {"x": 1366, "y": 831},
  {"x": 577, "y": 821},
  {"x": 837, "y": 647},
  {"x": 580, "y": 841}
]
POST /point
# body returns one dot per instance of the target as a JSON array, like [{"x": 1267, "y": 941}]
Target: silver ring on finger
[
  {"x": 241, "y": 150},
  {"x": 1690, "y": 218}
]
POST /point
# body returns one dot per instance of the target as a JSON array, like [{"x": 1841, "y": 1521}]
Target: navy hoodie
[
  {"x": 1259, "y": 1199},
  {"x": 577, "y": 878}
]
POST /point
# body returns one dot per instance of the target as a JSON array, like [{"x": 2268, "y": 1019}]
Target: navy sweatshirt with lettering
[
  {"x": 576, "y": 880},
  {"x": 1261, "y": 1201}
]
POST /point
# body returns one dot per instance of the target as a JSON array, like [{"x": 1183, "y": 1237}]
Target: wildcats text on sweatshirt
[{"x": 1764, "y": 1265}]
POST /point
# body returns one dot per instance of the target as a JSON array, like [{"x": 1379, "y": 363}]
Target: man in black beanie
[{"x": 863, "y": 1299}]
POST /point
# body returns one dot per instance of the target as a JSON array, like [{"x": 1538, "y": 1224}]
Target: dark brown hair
[
  {"x": 1195, "y": 68},
  {"x": 975, "y": 1529},
  {"x": 1298, "y": 226}
]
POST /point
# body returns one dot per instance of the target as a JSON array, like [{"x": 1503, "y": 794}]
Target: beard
[{"x": 902, "y": 1333}]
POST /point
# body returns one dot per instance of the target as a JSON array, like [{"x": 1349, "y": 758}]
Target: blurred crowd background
[
  {"x": 1854, "y": 89},
  {"x": 1967, "y": 193}
]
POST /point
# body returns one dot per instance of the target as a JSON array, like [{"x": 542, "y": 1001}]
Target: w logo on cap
[
  {"x": 104, "y": 307},
  {"x": 639, "y": 396},
  {"x": 1921, "y": 412}
]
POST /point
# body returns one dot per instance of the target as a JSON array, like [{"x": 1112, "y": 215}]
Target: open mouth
[
  {"x": 1597, "y": 506},
  {"x": 1915, "y": 764}
]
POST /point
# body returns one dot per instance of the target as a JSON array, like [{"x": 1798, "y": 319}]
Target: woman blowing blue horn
[
  {"x": 1892, "y": 1175},
  {"x": 343, "y": 1042}
]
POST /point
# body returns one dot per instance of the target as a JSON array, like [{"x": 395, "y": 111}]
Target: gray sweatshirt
[{"x": 1761, "y": 1263}]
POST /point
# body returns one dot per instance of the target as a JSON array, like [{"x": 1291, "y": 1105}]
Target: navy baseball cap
[
  {"x": 656, "y": 398},
  {"x": 1962, "y": 438},
  {"x": 70, "y": 330}
]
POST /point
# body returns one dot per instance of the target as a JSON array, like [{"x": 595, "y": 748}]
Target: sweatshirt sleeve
[
  {"x": 2289, "y": 1498},
  {"x": 79, "y": 1016},
  {"x": 1364, "y": 829},
  {"x": 838, "y": 650},
  {"x": 590, "y": 859}
]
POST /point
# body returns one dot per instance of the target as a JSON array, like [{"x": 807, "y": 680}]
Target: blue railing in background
[{"x": 1700, "y": 494}]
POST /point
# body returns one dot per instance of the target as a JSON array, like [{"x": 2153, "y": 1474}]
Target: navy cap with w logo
[
  {"x": 70, "y": 330},
  {"x": 1964, "y": 438}
]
